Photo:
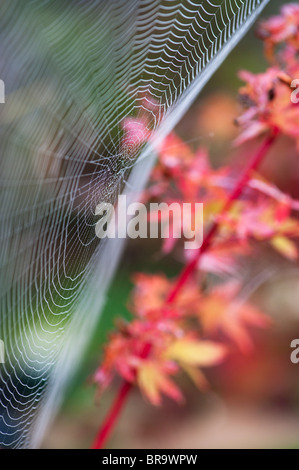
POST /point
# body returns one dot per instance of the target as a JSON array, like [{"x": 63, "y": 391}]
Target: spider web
[{"x": 74, "y": 71}]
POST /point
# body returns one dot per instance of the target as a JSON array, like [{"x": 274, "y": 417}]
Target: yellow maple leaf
[
  {"x": 285, "y": 246},
  {"x": 153, "y": 381},
  {"x": 194, "y": 352}
]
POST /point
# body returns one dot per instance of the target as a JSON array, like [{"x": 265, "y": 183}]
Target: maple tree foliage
[{"x": 167, "y": 338}]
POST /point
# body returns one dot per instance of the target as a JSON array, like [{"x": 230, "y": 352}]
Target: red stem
[
  {"x": 112, "y": 416},
  {"x": 125, "y": 388},
  {"x": 116, "y": 408},
  {"x": 242, "y": 181}
]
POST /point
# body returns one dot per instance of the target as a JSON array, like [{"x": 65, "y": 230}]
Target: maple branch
[
  {"x": 116, "y": 407},
  {"x": 125, "y": 387},
  {"x": 112, "y": 416},
  {"x": 234, "y": 195}
]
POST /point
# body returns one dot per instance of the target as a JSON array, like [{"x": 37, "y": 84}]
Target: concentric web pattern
[{"x": 86, "y": 83}]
